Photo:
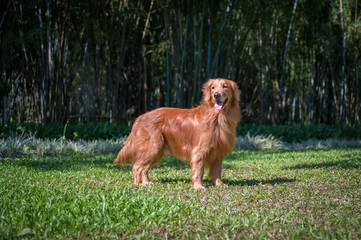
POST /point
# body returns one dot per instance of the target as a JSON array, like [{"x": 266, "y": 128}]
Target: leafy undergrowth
[
  {"x": 271, "y": 194},
  {"x": 106, "y": 130}
]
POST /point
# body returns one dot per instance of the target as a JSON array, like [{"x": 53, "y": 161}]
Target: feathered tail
[{"x": 125, "y": 154}]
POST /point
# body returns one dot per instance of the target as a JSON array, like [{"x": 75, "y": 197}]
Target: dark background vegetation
[
  {"x": 93, "y": 131},
  {"x": 296, "y": 62}
]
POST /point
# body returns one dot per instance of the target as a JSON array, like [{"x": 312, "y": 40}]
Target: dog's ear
[
  {"x": 206, "y": 89},
  {"x": 236, "y": 93}
]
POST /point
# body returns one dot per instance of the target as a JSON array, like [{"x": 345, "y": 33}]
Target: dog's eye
[
  {"x": 213, "y": 87},
  {"x": 225, "y": 86}
]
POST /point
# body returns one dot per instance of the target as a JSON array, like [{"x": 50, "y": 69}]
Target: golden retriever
[{"x": 203, "y": 135}]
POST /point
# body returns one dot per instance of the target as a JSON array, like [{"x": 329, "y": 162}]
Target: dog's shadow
[
  {"x": 255, "y": 182},
  {"x": 249, "y": 182}
]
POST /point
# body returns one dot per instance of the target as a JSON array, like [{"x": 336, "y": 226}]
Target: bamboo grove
[{"x": 112, "y": 60}]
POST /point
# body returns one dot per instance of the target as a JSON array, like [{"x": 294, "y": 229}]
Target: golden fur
[{"x": 203, "y": 135}]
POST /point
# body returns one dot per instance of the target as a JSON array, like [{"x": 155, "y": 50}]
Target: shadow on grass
[
  {"x": 253, "y": 182},
  {"x": 171, "y": 162},
  {"x": 250, "y": 182},
  {"x": 79, "y": 162},
  {"x": 61, "y": 163}
]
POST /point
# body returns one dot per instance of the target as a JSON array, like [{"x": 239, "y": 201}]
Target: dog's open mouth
[{"x": 220, "y": 105}]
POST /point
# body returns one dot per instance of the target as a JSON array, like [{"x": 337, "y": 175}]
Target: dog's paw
[
  {"x": 198, "y": 186},
  {"x": 222, "y": 185},
  {"x": 147, "y": 183}
]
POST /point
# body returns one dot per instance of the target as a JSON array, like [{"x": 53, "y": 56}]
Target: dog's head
[{"x": 221, "y": 92}]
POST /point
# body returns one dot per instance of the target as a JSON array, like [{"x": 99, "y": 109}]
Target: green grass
[{"x": 280, "y": 194}]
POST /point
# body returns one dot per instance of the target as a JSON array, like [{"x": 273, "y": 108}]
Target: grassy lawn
[{"x": 272, "y": 194}]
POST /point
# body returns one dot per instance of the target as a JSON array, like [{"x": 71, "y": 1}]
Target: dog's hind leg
[
  {"x": 149, "y": 159},
  {"x": 148, "y": 154},
  {"x": 140, "y": 173},
  {"x": 144, "y": 171},
  {"x": 136, "y": 173}
]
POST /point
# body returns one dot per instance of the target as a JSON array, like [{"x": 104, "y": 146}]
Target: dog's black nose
[{"x": 217, "y": 95}]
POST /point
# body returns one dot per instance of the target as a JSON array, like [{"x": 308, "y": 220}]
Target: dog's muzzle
[{"x": 220, "y": 105}]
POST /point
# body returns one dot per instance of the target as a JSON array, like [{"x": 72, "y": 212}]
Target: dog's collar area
[{"x": 220, "y": 105}]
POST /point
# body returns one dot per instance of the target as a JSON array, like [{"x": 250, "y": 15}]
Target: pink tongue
[{"x": 218, "y": 105}]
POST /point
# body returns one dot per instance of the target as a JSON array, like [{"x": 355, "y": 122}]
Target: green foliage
[
  {"x": 277, "y": 194},
  {"x": 88, "y": 131},
  {"x": 299, "y": 133},
  {"x": 93, "y": 131}
]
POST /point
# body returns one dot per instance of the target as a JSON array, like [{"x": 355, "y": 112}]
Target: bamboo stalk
[
  {"x": 182, "y": 61},
  {"x": 209, "y": 45},
  {"x": 167, "y": 53},
  {"x": 343, "y": 98},
  {"x": 358, "y": 112},
  {"x": 284, "y": 62}
]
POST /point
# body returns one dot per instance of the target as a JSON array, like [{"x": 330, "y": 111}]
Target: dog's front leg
[
  {"x": 215, "y": 170},
  {"x": 197, "y": 170}
]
